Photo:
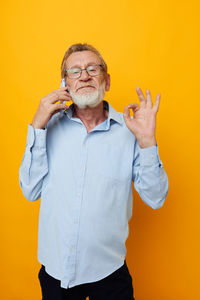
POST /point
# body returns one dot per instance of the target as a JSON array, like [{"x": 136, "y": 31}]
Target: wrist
[
  {"x": 36, "y": 126},
  {"x": 145, "y": 142}
]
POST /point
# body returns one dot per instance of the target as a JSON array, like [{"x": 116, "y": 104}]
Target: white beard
[{"x": 89, "y": 99}]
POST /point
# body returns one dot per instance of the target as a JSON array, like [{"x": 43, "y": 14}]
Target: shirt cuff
[
  {"x": 149, "y": 156},
  {"x": 36, "y": 136}
]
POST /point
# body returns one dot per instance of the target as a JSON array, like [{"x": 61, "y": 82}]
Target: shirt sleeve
[
  {"x": 34, "y": 165},
  {"x": 149, "y": 177}
]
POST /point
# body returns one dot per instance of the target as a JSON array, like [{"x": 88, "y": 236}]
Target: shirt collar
[{"x": 112, "y": 113}]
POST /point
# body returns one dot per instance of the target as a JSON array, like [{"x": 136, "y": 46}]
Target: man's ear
[{"x": 107, "y": 87}]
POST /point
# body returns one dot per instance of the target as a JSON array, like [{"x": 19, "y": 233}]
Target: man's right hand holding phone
[{"x": 48, "y": 107}]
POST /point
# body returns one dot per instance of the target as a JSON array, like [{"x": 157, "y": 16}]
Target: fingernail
[{"x": 147, "y": 91}]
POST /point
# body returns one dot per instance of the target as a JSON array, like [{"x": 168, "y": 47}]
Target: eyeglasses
[{"x": 93, "y": 70}]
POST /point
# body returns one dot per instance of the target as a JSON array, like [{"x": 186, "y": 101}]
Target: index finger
[
  {"x": 64, "y": 91},
  {"x": 63, "y": 88}
]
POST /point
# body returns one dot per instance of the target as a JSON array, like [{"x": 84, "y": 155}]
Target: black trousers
[{"x": 116, "y": 286}]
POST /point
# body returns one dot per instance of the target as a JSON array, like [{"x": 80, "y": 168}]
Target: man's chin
[
  {"x": 88, "y": 98},
  {"x": 86, "y": 105}
]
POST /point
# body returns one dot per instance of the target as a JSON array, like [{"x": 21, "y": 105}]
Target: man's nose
[{"x": 84, "y": 75}]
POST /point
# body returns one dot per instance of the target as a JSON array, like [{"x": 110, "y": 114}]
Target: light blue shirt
[{"x": 84, "y": 181}]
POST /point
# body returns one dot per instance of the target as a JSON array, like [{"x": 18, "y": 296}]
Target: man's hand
[
  {"x": 143, "y": 124},
  {"x": 48, "y": 107}
]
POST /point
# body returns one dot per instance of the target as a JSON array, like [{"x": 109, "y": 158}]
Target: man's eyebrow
[{"x": 88, "y": 64}]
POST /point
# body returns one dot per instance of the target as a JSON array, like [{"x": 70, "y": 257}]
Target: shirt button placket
[{"x": 77, "y": 208}]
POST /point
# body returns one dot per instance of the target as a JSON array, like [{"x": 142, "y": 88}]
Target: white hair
[{"x": 90, "y": 99}]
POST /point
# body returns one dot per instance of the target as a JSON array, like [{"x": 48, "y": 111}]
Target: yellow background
[{"x": 152, "y": 44}]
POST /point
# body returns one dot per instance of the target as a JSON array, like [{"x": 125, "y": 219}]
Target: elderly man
[{"x": 81, "y": 160}]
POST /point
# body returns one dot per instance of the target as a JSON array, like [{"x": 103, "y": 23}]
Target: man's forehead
[{"x": 82, "y": 58}]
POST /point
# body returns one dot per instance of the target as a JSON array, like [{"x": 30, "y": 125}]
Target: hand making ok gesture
[{"x": 143, "y": 123}]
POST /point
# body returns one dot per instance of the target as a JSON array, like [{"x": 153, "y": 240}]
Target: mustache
[{"x": 91, "y": 84}]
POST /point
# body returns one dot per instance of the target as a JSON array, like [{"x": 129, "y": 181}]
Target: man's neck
[{"x": 91, "y": 116}]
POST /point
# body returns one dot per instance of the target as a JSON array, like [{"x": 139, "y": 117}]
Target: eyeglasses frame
[{"x": 85, "y": 70}]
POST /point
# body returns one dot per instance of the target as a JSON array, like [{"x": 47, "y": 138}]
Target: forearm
[
  {"x": 150, "y": 178},
  {"x": 34, "y": 164}
]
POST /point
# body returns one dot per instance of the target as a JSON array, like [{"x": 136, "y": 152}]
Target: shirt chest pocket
[{"x": 111, "y": 161}]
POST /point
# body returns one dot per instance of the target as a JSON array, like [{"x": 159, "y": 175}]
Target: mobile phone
[{"x": 63, "y": 84}]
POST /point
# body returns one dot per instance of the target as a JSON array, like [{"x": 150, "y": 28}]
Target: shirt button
[
  {"x": 73, "y": 249},
  {"x": 75, "y": 222},
  {"x": 78, "y": 194}
]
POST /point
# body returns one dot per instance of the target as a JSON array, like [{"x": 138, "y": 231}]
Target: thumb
[{"x": 126, "y": 113}]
